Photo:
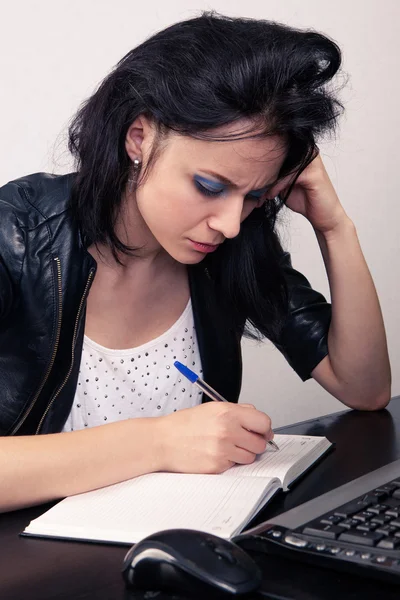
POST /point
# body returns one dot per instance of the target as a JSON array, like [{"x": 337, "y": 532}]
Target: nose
[{"x": 226, "y": 218}]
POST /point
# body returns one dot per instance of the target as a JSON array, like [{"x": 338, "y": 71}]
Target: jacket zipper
[
  {"x": 50, "y": 404},
  {"x": 59, "y": 318}
]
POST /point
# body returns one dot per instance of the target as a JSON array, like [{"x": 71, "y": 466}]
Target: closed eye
[
  {"x": 207, "y": 191},
  {"x": 214, "y": 192},
  {"x": 261, "y": 197}
]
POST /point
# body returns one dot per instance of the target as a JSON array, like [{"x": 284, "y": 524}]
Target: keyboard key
[
  {"x": 375, "y": 497},
  {"x": 363, "y": 516},
  {"x": 396, "y": 523},
  {"x": 396, "y": 493},
  {"x": 381, "y": 519},
  {"x": 387, "y": 530},
  {"x": 348, "y": 523},
  {"x": 351, "y": 508},
  {"x": 364, "y": 538},
  {"x": 330, "y": 532},
  {"x": 389, "y": 543},
  {"x": 331, "y": 520},
  {"x": 377, "y": 509},
  {"x": 387, "y": 489},
  {"x": 393, "y": 512},
  {"x": 367, "y": 526}
]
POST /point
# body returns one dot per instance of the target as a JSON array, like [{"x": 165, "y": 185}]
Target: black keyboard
[
  {"x": 355, "y": 528},
  {"x": 370, "y": 520}
]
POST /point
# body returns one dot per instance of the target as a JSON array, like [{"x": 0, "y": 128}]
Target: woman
[{"x": 162, "y": 247}]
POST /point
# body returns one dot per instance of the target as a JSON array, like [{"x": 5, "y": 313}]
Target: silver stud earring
[{"x": 132, "y": 178}]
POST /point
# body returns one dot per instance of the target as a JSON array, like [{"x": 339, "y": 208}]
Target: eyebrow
[{"x": 234, "y": 185}]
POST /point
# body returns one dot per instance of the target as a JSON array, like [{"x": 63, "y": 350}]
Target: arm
[
  {"x": 356, "y": 369},
  {"x": 36, "y": 469},
  {"x": 208, "y": 438}
]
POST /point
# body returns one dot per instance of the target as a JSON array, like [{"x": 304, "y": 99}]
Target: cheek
[
  {"x": 169, "y": 210},
  {"x": 157, "y": 202}
]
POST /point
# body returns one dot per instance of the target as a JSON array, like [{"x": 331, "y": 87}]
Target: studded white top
[{"x": 138, "y": 382}]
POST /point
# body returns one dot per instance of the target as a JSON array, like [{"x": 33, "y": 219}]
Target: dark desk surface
[{"x": 42, "y": 569}]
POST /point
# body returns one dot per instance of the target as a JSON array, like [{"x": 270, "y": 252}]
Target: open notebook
[{"x": 222, "y": 504}]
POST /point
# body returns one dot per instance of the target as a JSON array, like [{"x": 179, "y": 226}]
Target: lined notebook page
[
  {"x": 271, "y": 463},
  {"x": 128, "y": 511}
]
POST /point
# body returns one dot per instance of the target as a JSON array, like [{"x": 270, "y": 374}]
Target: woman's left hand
[{"x": 314, "y": 197}]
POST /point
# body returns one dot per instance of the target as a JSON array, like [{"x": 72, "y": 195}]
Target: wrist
[
  {"x": 159, "y": 436},
  {"x": 343, "y": 228},
  {"x": 153, "y": 435}
]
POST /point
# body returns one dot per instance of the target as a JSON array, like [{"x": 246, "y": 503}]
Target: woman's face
[{"x": 186, "y": 205}]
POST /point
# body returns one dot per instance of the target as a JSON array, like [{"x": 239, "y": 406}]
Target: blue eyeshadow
[
  {"x": 217, "y": 187},
  {"x": 214, "y": 185}
]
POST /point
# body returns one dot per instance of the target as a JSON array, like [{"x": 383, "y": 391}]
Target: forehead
[{"x": 235, "y": 159}]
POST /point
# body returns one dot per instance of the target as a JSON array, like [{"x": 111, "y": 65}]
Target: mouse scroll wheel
[{"x": 224, "y": 553}]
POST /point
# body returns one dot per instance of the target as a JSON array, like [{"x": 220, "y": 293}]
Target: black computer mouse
[{"x": 186, "y": 561}]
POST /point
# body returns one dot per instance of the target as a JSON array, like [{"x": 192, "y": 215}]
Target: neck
[
  {"x": 132, "y": 230},
  {"x": 142, "y": 260}
]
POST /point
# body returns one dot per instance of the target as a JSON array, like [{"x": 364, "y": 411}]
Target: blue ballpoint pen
[{"x": 207, "y": 389}]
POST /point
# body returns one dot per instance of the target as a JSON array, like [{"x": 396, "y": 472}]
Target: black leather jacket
[{"x": 45, "y": 278}]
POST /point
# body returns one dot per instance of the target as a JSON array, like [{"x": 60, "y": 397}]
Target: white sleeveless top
[{"x": 138, "y": 382}]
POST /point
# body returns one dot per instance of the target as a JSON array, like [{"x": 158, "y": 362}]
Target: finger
[
  {"x": 257, "y": 421},
  {"x": 281, "y": 186},
  {"x": 248, "y": 405},
  {"x": 241, "y": 456},
  {"x": 252, "y": 442}
]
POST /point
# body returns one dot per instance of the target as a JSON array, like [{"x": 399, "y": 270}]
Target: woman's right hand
[{"x": 212, "y": 437}]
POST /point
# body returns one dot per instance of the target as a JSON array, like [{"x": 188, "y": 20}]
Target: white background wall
[{"x": 53, "y": 53}]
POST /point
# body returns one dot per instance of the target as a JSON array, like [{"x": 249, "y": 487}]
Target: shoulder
[
  {"x": 32, "y": 208},
  {"x": 35, "y": 198}
]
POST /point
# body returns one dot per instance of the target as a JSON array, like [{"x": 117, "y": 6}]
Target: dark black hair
[{"x": 191, "y": 78}]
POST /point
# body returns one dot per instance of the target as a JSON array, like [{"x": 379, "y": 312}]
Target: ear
[{"x": 138, "y": 138}]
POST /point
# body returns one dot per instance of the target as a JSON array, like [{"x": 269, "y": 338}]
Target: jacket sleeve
[
  {"x": 304, "y": 336},
  {"x": 6, "y": 291},
  {"x": 12, "y": 248}
]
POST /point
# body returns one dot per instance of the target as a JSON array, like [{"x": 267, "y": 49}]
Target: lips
[
  {"x": 211, "y": 244},
  {"x": 204, "y": 247}
]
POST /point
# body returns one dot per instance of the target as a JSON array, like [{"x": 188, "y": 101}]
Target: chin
[
  {"x": 193, "y": 260},
  {"x": 187, "y": 258}
]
